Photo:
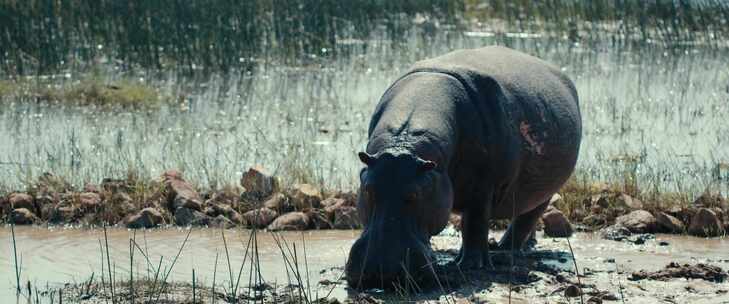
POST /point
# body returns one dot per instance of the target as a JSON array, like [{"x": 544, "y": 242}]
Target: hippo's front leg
[{"x": 475, "y": 232}]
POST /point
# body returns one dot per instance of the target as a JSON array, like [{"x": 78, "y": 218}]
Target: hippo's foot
[{"x": 474, "y": 259}]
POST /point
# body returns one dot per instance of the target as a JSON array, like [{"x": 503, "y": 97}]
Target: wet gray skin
[{"x": 489, "y": 133}]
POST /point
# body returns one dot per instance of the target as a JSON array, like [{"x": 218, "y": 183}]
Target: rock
[
  {"x": 706, "y": 224},
  {"x": 279, "y": 202},
  {"x": 669, "y": 224},
  {"x": 319, "y": 219},
  {"x": 594, "y": 220},
  {"x": 640, "y": 239},
  {"x": 89, "y": 200},
  {"x": 345, "y": 217},
  {"x": 63, "y": 214},
  {"x": 259, "y": 182},
  {"x": 123, "y": 204},
  {"x": 115, "y": 185},
  {"x": 260, "y": 218},
  {"x": 180, "y": 194},
  {"x": 22, "y": 200},
  {"x": 682, "y": 213},
  {"x": 556, "y": 224},
  {"x": 290, "y": 221},
  {"x": 304, "y": 196},
  {"x": 675, "y": 270},
  {"x": 708, "y": 200},
  {"x": 23, "y": 216},
  {"x": 596, "y": 200},
  {"x": 572, "y": 291},
  {"x": 331, "y": 204},
  {"x": 638, "y": 221},
  {"x": 628, "y": 202},
  {"x": 91, "y": 188},
  {"x": 147, "y": 218},
  {"x": 188, "y": 217},
  {"x": 332, "y": 201},
  {"x": 221, "y": 221},
  {"x": 226, "y": 211},
  {"x": 227, "y": 196},
  {"x": 615, "y": 232}
]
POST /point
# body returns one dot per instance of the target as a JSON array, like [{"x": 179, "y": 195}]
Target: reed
[{"x": 15, "y": 258}]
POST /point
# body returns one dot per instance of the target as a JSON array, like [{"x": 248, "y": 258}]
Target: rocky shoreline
[{"x": 260, "y": 201}]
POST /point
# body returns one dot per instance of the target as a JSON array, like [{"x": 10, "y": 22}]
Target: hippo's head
[{"x": 403, "y": 201}]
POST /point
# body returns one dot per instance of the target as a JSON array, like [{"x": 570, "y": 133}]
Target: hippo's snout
[{"x": 374, "y": 263}]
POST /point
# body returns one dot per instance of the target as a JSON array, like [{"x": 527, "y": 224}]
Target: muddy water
[
  {"x": 72, "y": 255},
  {"x": 56, "y": 256}
]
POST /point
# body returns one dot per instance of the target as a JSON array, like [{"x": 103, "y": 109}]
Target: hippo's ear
[
  {"x": 426, "y": 165},
  {"x": 367, "y": 159}
]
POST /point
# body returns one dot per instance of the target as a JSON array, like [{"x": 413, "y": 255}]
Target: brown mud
[{"x": 606, "y": 268}]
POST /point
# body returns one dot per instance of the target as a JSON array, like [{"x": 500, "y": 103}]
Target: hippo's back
[{"x": 530, "y": 103}]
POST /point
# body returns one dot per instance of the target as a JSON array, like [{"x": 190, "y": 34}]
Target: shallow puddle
[{"x": 51, "y": 257}]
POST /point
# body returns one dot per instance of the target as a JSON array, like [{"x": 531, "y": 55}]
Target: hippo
[{"x": 488, "y": 133}]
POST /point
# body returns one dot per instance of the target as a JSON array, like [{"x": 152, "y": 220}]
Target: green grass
[{"x": 88, "y": 91}]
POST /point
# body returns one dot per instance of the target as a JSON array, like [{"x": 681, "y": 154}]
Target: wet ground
[{"x": 56, "y": 256}]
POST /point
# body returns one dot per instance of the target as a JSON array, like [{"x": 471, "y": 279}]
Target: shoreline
[{"x": 259, "y": 201}]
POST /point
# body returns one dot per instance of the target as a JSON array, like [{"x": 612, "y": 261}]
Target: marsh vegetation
[{"x": 94, "y": 90}]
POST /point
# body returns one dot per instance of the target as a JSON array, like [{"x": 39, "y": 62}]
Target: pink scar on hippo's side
[{"x": 536, "y": 146}]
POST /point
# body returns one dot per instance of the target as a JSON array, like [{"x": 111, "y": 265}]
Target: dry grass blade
[{"x": 577, "y": 272}]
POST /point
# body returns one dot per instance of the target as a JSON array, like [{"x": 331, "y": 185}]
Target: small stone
[
  {"x": 594, "y": 220},
  {"x": 227, "y": 211},
  {"x": 23, "y": 216},
  {"x": 188, "y": 217},
  {"x": 279, "y": 202},
  {"x": 22, "y": 200},
  {"x": 639, "y": 221},
  {"x": 594, "y": 300},
  {"x": 221, "y": 221},
  {"x": 261, "y": 217},
  {"x": 615, "y": 232},
  {"x": 319, "y": 219},
  {"x": 115, "y": 185},
  {"x": 146, "y": 218},
  {"x": 290, "y": 221},
  {"x": 556, "y": 224},
  {"x": 332, "y": 201},
  {"x": 91, "y": 188},
  {"x": 709, "y": 200},
  {"x": 669, "y": 224},
  {"x": 63, "y": 214},
  {"x": 346, "y": 217},
  {"x": 304, "y": 196},
  {"x": 628, "y": 202},
  {"x": 706, "y": 224},
  {"x": 181, "y": 194},
  {"x": 89, "y": 200},
  {"x": 572, "y": 291},
  {"x": 259, "y": 182}
]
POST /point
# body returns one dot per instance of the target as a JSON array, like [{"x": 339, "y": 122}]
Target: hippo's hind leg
[
  {"x": 521, "y": 229},
  {"x": 475, "y": 231}
]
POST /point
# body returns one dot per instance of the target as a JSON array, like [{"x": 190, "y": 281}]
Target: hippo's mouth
[{"x": 376, "y": 265}]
